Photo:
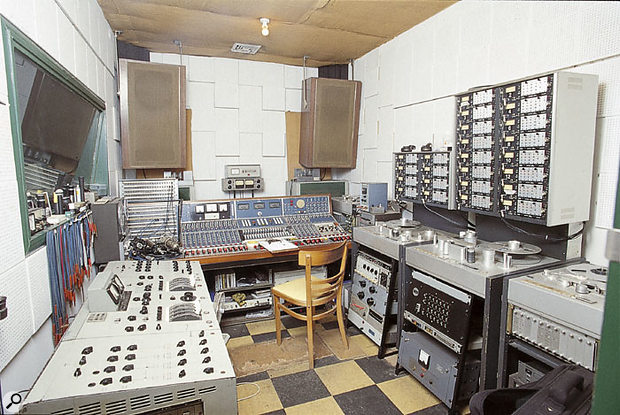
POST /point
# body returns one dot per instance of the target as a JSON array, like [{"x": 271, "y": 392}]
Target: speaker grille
[{"x": 153, "y": 115}]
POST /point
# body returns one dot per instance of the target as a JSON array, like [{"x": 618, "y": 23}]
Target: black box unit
[{"x": 111, "y": 229}]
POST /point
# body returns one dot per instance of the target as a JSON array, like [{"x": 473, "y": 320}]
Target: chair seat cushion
[{"x": 294, "y": 290}]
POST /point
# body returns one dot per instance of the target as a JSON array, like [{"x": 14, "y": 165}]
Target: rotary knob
[{"x": 360, "y": 295}]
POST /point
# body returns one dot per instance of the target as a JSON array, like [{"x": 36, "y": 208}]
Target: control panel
[
  {"x": 439, "y": 309},
  {"x": 238, "y": 226},
  {"x": 475, "y": 150},
  {"x": 134, "y": 374},
  {"x": 521, "y": 151},
  {"x": 425, "y": 177},
  {"x": 369, "y": 306},
  {"x": 560, "y": 311},
  {"x": 161, "y": 349}
]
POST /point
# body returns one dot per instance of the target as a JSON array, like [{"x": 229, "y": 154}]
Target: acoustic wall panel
[
  {"x": 329, "y": 123},
  {"x": 152, "y": 115}
]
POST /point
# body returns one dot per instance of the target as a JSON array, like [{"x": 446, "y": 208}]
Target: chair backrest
[{"x": 321, "y": 291}]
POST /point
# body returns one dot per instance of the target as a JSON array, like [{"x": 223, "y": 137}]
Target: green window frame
[{"x": 14, "y": 39}]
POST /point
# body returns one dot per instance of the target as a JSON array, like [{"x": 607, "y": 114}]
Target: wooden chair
[{"x": 310, "y": 292}]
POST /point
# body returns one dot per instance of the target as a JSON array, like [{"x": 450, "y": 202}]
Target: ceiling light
[{"x": 265, "y": 22}]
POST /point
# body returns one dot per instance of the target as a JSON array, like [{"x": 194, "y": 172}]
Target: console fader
[{"x": 234, "y": 227}]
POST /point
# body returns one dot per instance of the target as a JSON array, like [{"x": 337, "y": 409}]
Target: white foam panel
[
  {"x": 274, "y": 131},
  {"x": 404, "y": 66},
  {"x": 369, "y": 172},
  {"x": 423, "y": 64},
  {"x": 17, "y": 328},
  {"x": 250, "y": 147},
  {"x": 70, "y": 7},
  {"x": 293, "y": 76},
  {"x": 226, "y": 70},
  {"x": 46, "y": 24},
  {"x": 474, "y": 34},
  {"x": 227, "y": 132},
  {"x": 444, "y": 121},
  {"x": 81, "y": 58},
  {"x": 371, "y": 117},
  {"x": 599, "y": 33},
  {"x": 385, "y": 138},
  {"x": 387, "y": 70},
  {"x": 65, "y": 39},
  {"x": 226, "y": 95},
  {"x": 200, "y": 98},
  {"x": 207, "y": 190},
  {"x": 250, "y": 109},
  {"x": 39, "y": 286},
  {"x": 273, "y": 98},
  {"x": 203, "y": 143},
  {"x": 403, "y": 127},
  {"x": 293, "y": 100},
  {"x": 261, "y": 74},
  {"x": 201, "y": 69},
  {"x": 445, "y": 66}
]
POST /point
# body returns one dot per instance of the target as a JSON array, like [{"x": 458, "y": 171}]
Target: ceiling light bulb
[{"x": 265, "y": 23}]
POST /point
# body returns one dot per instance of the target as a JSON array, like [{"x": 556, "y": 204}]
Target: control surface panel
[
  {"x": 236, "y": 227},
  {"x": 560, "y": 310}
]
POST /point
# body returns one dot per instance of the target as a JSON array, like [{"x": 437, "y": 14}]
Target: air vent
[
  {"x": 117, "y": 407},
  {"x": 68, "y": 411},
  {"x": 186, "y": 393},
  {"x": 206, "y": 390},
  {"x": 90, "y": 409},
  {"x": 161, "y": 399},
  {"x": 140, "y": 402},
  {"x": 245, "y": 48}
]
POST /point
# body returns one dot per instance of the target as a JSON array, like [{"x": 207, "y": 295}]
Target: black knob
[
  {"x": 362, "y": 284},
  {"x": 370, "y": 301},
  {"x": 360, "y": 295},
  {"x": 372, "y": 289}
]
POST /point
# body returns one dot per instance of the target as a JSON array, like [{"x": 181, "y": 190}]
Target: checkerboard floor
[{"x": 352, "y": 381}]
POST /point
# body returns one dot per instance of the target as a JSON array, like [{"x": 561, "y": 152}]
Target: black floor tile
[
  {"x": 439, "y": 409},
  {"x": 238, "y": 330},
  {"x": 326, "y": 361},
  {"x": 298, "y": 388},
  {"x": 378, "y": 369},
  {"x": 278, "y": 412},
  {"x": 290, "y": 322},
  {"x": 254, "y": 378},
  {"x": 265, "y": 337},
  {"x": 330, "y": 325},
  {"x": 368, "y": 400},
  {"x": 352, "y": 330}
]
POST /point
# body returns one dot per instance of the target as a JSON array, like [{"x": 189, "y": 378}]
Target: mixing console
[
  {"x": 233, "y": 227},
  {"x": 146, "y": 340}
]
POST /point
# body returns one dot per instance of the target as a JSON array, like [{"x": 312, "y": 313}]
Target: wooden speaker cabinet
[
  {"x": 329, "y": 123},
  {"x": 152, "y": 115}
]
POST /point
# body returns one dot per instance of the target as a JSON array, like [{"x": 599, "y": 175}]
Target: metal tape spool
[{"x": 514, "y": 247}]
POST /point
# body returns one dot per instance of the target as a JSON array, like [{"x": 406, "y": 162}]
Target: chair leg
[
  {"x": 310, "y": 324},
  {"x": 276, "y": 312},
  {"x": 341, "y": 326}
]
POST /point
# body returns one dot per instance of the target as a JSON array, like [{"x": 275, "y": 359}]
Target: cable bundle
[{"x": 69, "y": 261}]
